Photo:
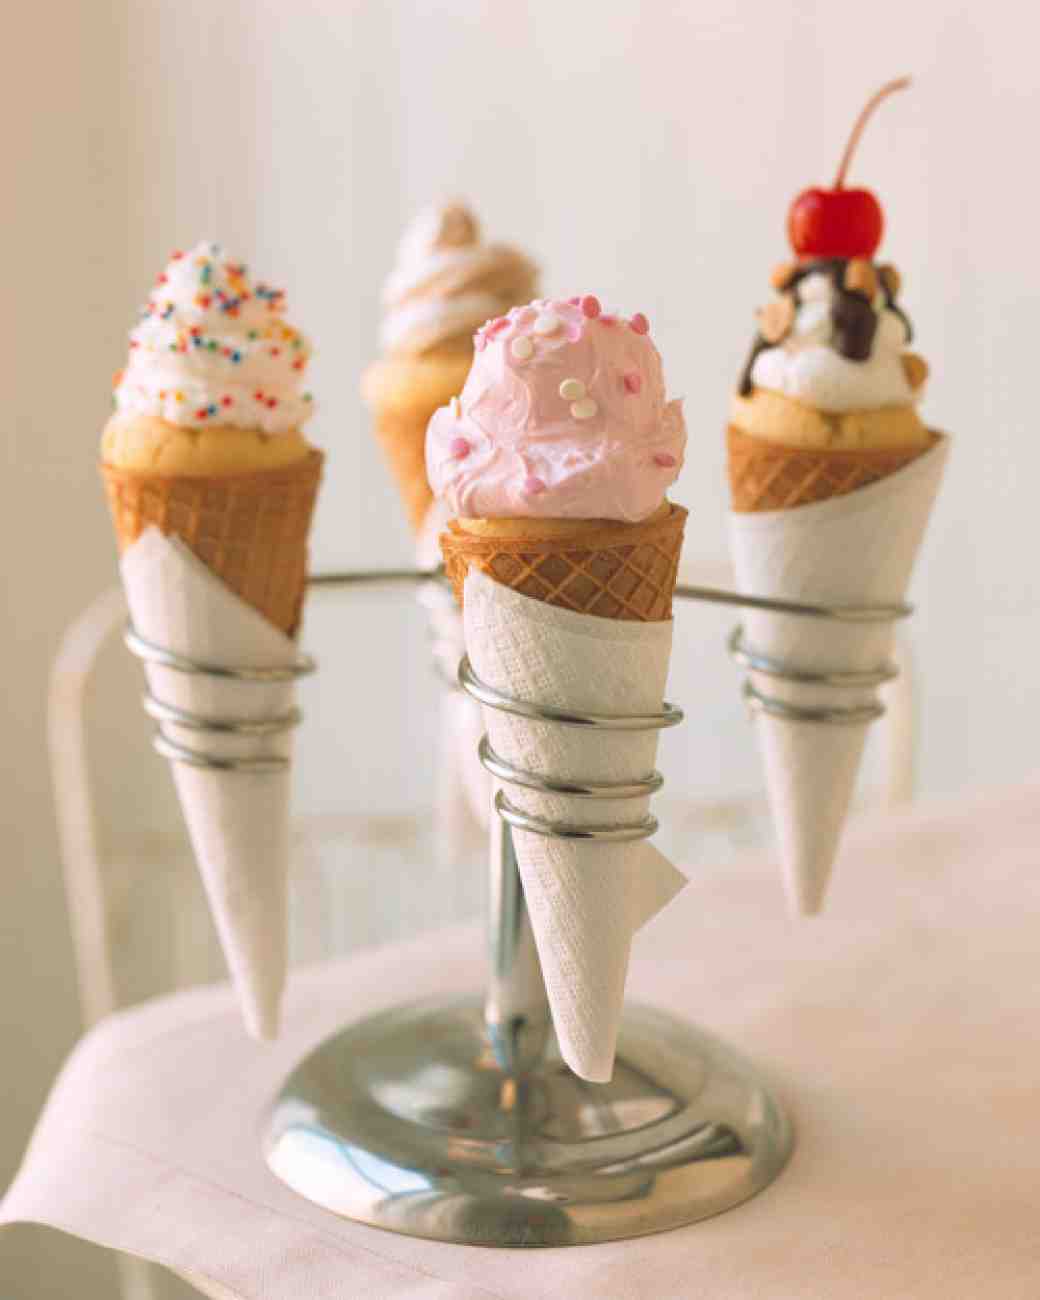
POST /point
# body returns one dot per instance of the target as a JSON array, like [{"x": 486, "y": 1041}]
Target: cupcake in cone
[
  {"x": 446, "y": 283},
  {"x": 211, "y": 486},
  {"x": 205, "y": 440},
  {"x": 554, "y": 463},
  {"x": 832, "y": 477}
]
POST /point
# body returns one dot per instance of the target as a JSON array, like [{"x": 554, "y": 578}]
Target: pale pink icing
[{"x": 513, "y": 445}]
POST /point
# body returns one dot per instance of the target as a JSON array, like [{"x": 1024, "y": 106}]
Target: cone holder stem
[{"x": 457, "y": 1120}]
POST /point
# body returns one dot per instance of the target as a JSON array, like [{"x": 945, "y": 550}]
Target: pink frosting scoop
[{"x": 563, "y": 416}]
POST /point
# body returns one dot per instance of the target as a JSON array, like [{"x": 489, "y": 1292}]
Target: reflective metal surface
[
  {"x": 407, "y": 1121},
  {"x": 836, "y": 712},
  {"x": 462, "y": 1123},
  {"x": 156, "y": 654},
  {"x": 683, "y": 591},
  {"x": 516, "y": 1006},
  {"x": 844, "y": 715},
  {"x": 670, "y": 715},
  {"x": 166, "y": 714},
  {"x": 759, "y": 663}
]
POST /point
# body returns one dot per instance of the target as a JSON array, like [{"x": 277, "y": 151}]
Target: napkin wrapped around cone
[
  {"x": 463, "y": 795},
  {"x": 238, "y": 821},
  {"x": 562, "y": 547},
  {"x": 586, "y": 899},
  {"x": 855, "y": 549},
  {"x": 211, "y": 487}
]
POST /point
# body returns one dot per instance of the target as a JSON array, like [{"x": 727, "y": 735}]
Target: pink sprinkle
[
  {"x": 460, "y": 448},
  {"x": 533, "y": 486},
  {"x": 590, "y": 306},
  {"x": 633, "y": 381},
  {"x": 574, "y": 302},
  {"x": 574, "y": 333},
  {"x": 480, "y": 342},
  {"x": 639, "y": 323},
  {"x": 498, "y": 324},
  {"x": 664, "y": 460}
]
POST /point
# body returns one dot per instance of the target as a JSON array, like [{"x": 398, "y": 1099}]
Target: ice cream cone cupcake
[
  {"x": 211, "y": 486},
  {"x": 446, "y": 283},
  {"x": 827, "y": 400},
  {"x": 554, "y": 463},
  {"x": 557, "y": 503},
  {"x": 832, "y": 477},
  {"x": 205, "y": 440}
]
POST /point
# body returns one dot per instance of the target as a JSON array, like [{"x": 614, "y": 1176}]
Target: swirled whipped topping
[
  {"x": 446, "y": 282},
  {"x": 835, "y": 339},
  {"x": 213, "y": 348},
  {"x": 563, "y": 416}
]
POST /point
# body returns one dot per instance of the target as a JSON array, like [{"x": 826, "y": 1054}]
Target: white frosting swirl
[
  {"x": 213, "y": 348},
  {"x": 447, "y": 282},
  {"x": 807, "y": 367}
]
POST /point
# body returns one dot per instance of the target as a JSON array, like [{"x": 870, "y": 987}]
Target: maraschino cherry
[{"x": 840, "y": 222}]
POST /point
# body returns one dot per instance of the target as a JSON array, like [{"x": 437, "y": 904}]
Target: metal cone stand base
[
  {"x": 458, "y": 1121},
  {"x": 407, "y": 1121}
]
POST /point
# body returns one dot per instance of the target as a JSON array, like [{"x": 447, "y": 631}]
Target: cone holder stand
[{"x": 457, "y": 1120}]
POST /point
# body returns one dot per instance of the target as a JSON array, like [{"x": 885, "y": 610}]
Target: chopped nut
[
  {"x": 860, "y": 277},
  {"x": 776, "y": 318},
  {"x": 890, "y": 278},
  {"x": 782, "y": 275},
  {"x": 915, "y": 368}
]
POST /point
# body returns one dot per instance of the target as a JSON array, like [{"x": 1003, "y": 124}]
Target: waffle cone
[
  {"x": 766, "y": 475},
  {"x": 251, "y": 530},
  {"x": 617, "y": 571}
]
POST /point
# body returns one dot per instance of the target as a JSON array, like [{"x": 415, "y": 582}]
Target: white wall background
[{"x": 645, "y": 151}]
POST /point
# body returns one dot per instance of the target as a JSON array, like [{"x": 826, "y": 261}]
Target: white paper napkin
[
  {"x": 586, "y": 899},
  {"x": 463, "y": 785},
  {"x": 857, "y": 549},
  {"x": 238, "y": 822}
]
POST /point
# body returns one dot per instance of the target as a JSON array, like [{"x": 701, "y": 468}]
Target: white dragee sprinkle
[
  {"x": 521, "y": 347},
  {"x": 572, "y": 390},
  {"x": 585, "y": 409},
  {"x": 547, "y": 322}
]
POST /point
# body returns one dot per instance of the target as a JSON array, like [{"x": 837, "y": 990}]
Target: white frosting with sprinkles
[{"x": 213, "y": 348}]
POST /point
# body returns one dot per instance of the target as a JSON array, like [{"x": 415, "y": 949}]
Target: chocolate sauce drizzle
[{"x": 852, "y": 315}]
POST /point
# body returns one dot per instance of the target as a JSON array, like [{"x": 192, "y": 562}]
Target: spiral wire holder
[
  {"x": 669, "y": 716},
  {"x": 457, "y": 1120},
  {"x": 833, "y": 714},
  {"x": 169, "y": 715}
]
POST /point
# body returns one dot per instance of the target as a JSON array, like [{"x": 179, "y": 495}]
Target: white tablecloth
[{"x": 903, "y": 1028}]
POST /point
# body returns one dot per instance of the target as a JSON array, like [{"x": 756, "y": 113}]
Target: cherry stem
[{"x": 889, "y": 88}]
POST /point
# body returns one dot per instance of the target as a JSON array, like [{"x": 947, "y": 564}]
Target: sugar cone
[
  {"x": 612, "y": 570},
  {"x": 766, "y": 475},
  {"x": 857, "y": 548},
  {"x": 250, "y": 529}
]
